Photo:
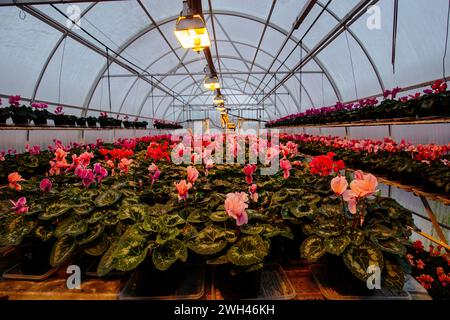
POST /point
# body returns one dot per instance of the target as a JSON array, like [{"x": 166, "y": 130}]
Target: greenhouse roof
[{"x": 347, "y": 53}]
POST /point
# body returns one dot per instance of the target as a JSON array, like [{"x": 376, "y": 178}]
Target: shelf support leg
[{"x": 433, "y": 219}]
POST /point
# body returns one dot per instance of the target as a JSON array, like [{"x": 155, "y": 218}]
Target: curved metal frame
[
  {"x": 253, "y": 85},
  {"x": 225, "y": 41},
  {"x": 218, "y": 12},
  {"x": 222, "y": 57}
]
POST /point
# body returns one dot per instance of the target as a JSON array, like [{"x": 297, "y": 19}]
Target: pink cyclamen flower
[
  {"x": 192, "y": 174},
  {"x": 125, "y": 164},
  {"x": 100, "y": 172},
  {"x": 364, "y": 185},
  {"x": 286, "y": 166},
  {"x": 339, "y": 185},
  {"x": 350, "y": 197},
  {"x": 87, "y": 175},
  {"x": 253, "y": 192},
  {"x": 183, "y": 188},
  {"x": 14, "y": 179},
  {"x": 45, "y": 185},
  {"x": 249, "y": 170},
  {"x": 154, "y": 172},
  {"x": 208, "y": 164},
  {"x": 20, "y": 206},
  {"x": 235, "y": 205}
]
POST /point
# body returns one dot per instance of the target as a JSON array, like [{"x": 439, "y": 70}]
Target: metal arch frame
[
  {"x": 180, "y": 110},
  {"x": 151, "y": 27},
  {"x": 226, "y": 41},
  {"x": 361, "y": 45},
  {"x": 237, "y": 89},
  {"x": 229, "y": 76},
  {"x": 223, "y": 57},
  {"x": 52, "y": 54}
]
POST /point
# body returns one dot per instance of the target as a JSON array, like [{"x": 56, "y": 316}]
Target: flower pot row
[
  {"x": 24, "y": 116},
  {"x": 432, "y": 104}
]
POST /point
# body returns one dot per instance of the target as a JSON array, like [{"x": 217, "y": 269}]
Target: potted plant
[
  {"x": 5, "y": 113},
  {"x": 92, "y": 122},
  {"x": 127, "y": 124},
  {"x": 34, "y": 255},
  {"x": 105, "y": 121},
  {"x": 60, "y": 118},
  {"x": 81, "y": 121},
  {"x": 20, "y": 114},
  {"x": 40, "y": 114},
  {"x": 117, "y": 122},
  {"x": 71, "y": 120}
]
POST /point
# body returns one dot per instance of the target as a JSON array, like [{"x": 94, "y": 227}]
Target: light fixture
[
  {"x": 219, "y": 100},
  {"x": 211, "y": 83},
  {"x": 191, "y": 30},
  {"x": 221, "y": 108}
]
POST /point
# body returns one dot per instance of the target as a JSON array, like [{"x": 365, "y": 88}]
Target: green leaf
[
  {"x": 313, "y": 248},
  {"x": 62, "y": 251},
  {"x": 44, "y": 233},
  {"x": 172, "y": 220},
  {"x": 336, "y": 245},
  {"x": 330, "y": 210},
  {"x": 394, "y": 276},
  {"x": 92, "y": 233},
  {"x": 392, "y": 246},
  {"x": 380, "y": 231},
  {"x": 252, "y": 230},
  {"x": 197, "y": 216},
  {"x": 55, "y": 210},
  {"x": 131, "y": 250},
  {"x": 328, "y": 229},
  {"x": 13, "y": 229},
  {"x": 135, "y": 212},
  {"x": 209, "y": 241},
  {"x": 359, "y": 259},
  {"x": 106, "y": 264},
  {"x": 219, "y": 216},
  {"x": 271, "y": 231},
  {"x": 98, "y": 246},
  {"x": 84, "y": 209},
  {"x": 167, "y": 234},
  {"x": 71, "y": 226},
  {"x": 168, "y": 253},
  {"x": 107, "y": 198},
  {"x": 247, "y": 251},
  {"x": 188, "y": 232}
]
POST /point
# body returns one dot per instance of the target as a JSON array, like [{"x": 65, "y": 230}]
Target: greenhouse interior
[{"x": 224, "y": 150}]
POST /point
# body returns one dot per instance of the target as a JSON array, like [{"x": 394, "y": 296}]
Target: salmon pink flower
[
  {"x": 14, "y": 179},
  {"x": 111, "y": 165},
  {"x": 235, "y": 205},
  {"x": 350, "y": 197},
  {"x": 285, "y": 165},
  {"x": 364, "y": 185},
  {"x": 249, "y": 170},
  {"x": 192, "y": 174},
  {"x": 45, "y": 185},
  {"x": 183, "y": 188},
  {"x": 253, "y": 194},
  {"x": 339, "y": 185},
  {"x": 20, "y": 206},
  {"x": 125, "y": 164}
]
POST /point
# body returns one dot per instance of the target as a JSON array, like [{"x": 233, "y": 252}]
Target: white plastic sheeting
[{"x": 41, "y": 63}]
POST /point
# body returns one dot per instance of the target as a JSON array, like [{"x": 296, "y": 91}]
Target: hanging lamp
[
  {"x": 191, "y": 31},
  {"x": 211, "y": 83},
  {"x": 219, "y": 100}
]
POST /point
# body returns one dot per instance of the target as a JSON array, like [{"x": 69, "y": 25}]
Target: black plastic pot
[
  {"x": 34, "y": 256},
  {"x": 92, "y": 123},
  {"x": 20, "y": 120},
  {"x": 81, "y": 122},
  {"x": 3, "y": 119},
  {"x": 128, "y": 124},
  {"x": 244, "y": 284},
  {"x": 342, "y": 279},
  {"x": 40, "y": 121}
]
